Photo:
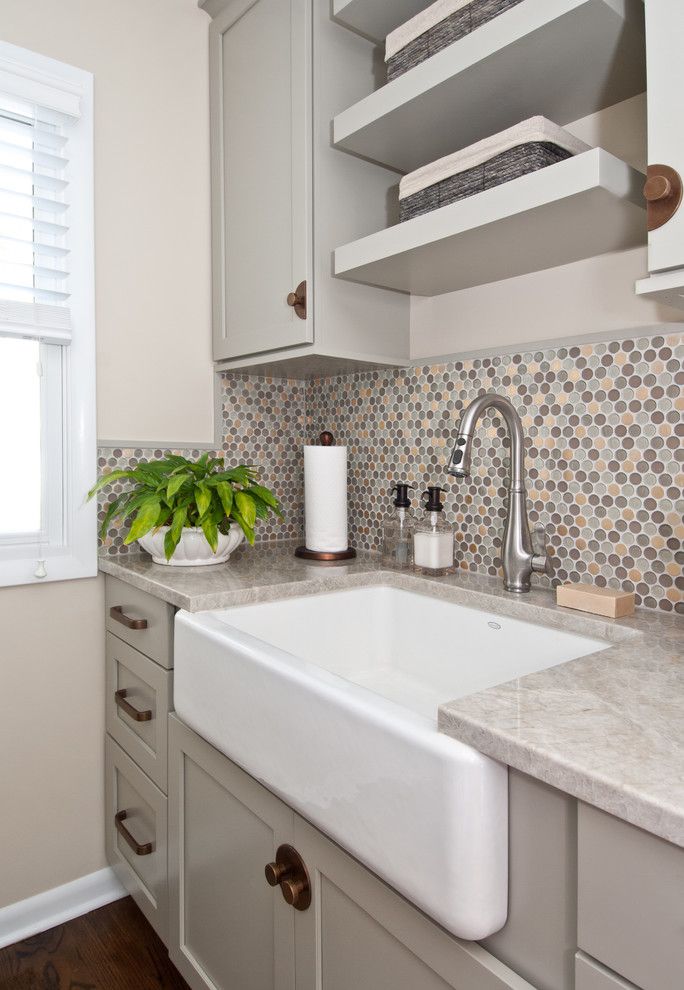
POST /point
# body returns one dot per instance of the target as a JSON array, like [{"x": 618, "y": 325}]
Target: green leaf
[
  {"x": 164, "y": 517},
  {"x": 112, "y": 509},
  {"x": 175, "y": 483},
  {"x": 153, "y": 481},
  {"x": 247, "y": 530},
  {"x": 210, "y": 530},
  {"x": 265, "y": 495},
  {"x": 107, "y": 479},
  {"x": 145, "y": 520},
  {"x": 202, "y": 498},
  {"x": 175, "y": 532},
  {"x": 225, "y": 493},
  {"x": 132, "y": 502},
  {"x": 262, "y": 510},
  {"x": 246, "y": 507},
  {"x": 244, "y": 475},
  {"x": 265, "y": 508},
  {"x": 170, "y": 544},
  {"x": 175, "y": 461},
  {"x": 179, "y": 517}
]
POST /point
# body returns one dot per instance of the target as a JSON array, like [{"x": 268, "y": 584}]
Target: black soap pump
[
  {"x": 397, "y": 529},
  {"x": 433, "y": 541}
]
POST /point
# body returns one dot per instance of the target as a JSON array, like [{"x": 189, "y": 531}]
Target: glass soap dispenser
[
  {"x": 397, "y": 530},
  {"x": 433, "y": 541}
]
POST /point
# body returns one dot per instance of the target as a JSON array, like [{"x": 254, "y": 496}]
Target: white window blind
[
  {"x": 35, "y": 210},
  {"x": 47, "y": 320}
]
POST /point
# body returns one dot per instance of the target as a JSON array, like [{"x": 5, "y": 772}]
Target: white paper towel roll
[{"x": 325, "y": 498}]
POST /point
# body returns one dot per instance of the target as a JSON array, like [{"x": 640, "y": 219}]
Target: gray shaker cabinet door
[
  {"x": 229, "y": 930},
  {"x": 260, "y": 64},
  {"x": 630, "y": 900},
  {"x": 359, "y": 934}
]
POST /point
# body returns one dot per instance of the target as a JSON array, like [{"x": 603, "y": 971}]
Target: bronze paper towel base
[{"x": 325, "y": 555}]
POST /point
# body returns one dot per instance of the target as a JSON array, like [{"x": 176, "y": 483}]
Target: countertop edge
[{"x": 553, "y": 769}]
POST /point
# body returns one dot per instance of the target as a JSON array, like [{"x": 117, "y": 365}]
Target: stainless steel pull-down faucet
[{"x": 520, "y": 556}]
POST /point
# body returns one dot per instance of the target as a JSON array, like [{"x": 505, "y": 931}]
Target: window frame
[{"x": 68, "y": 548}]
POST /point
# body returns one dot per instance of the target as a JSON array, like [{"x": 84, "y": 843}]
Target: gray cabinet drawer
[
  {"x": 630, "y": 900},
  {"x": 136, "y": 843},
  {"x": 590, "y": 975},
  {"x": 139, "y": 694},
  {"x": 127, "y": 609}
]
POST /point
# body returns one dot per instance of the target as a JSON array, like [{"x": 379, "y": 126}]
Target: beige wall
[
  {"x": 592, "y": 296},
  {"x": 51, "y": 735},
  {"x": 152, "y": 219},
  {"x": 149, "y": 58}
]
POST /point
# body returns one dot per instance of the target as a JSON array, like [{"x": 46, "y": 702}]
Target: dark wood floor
[{"x": 113, "y": 948}]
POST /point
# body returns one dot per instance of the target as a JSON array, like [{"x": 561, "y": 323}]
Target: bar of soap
[{"x": 599, "y": 601}]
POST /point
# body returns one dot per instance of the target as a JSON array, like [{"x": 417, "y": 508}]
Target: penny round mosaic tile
[{"x": 604, "y": 429}]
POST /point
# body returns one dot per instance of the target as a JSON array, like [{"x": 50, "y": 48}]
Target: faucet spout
[
  {"x": 518, "y": 557},
  {"x": 459, "y": 466}
]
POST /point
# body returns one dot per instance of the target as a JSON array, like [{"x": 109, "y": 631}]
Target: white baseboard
[{"x": 54, "y": 907}]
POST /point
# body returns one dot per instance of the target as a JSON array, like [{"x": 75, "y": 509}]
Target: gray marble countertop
[{"x": 607, "y": 728}]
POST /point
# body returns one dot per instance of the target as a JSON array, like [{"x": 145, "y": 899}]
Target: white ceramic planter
[{"x": 193, "y": 549}]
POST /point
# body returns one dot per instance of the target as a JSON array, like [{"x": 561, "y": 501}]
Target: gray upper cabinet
[
  {"x": 261, "y": 173},
  {"x": 283, "y": 198},
  {"x": 665, "y": 71}
]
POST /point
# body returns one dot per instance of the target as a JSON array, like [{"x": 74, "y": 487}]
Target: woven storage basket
[
  {"x": 527, "y": 147},
  {"x": 436, "y": 28}
]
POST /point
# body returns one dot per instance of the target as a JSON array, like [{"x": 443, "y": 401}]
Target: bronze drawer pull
[
  {"x": 140, "y": 850},
  {"x": 117, "y": 613},
  {"x": 126, "y": 706}
]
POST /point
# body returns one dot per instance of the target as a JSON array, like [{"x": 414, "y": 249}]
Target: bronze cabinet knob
[
  {"x": 657, "y": 187},
  {"x": 290, "y": 874},
  {"x": 276, "y": 873},
  {"x": 663, "y": 194},
  {"x": 297, "y": 300},
  {"x": 295, "y": 892}
]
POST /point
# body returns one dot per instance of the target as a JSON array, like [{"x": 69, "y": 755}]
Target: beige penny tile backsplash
[{"x": 604, "y": 427}]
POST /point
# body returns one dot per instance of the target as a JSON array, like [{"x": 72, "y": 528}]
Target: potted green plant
[{"x": 188, "y": 512}]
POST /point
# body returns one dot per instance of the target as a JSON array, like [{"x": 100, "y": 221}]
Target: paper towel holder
[{"x": 326, "y": 439}]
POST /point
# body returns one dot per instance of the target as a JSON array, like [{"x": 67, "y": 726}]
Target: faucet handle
[
  {"x": 541, "y": 559},
  {"x": 539, "y": 539}
]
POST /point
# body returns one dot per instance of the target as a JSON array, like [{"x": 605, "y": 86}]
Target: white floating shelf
[
  {"x": 376, "y": 18},
  {"x": 664, "y": 287},
  {"x": 584, "y": 206},
  {"x": 560, "y": 58}
]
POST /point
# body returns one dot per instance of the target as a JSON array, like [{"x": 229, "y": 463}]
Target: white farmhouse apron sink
[{"x": 331, "y": 702}]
